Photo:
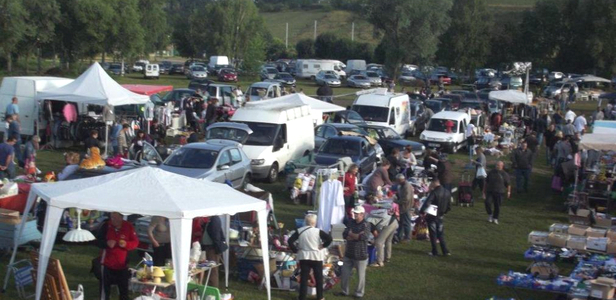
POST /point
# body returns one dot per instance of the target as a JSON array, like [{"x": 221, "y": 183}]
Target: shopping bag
[
  {"x": 481, "y": 173},
  {"x": 557, "y": 183}
]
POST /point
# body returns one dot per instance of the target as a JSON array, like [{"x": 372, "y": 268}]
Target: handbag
[
  {"x": 557, "y": 183},
  {"x": 481, "y": 173}
]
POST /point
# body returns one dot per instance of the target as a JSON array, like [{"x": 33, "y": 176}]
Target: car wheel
[
  {"x": 272, "y": 175},
  {"x": 312, "y": 78},
  {"x": 454, "y": 149},
  {"x": 247, "y": 181}
]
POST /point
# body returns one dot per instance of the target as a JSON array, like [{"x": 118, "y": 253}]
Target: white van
[
  {"x": 263, "y": 90},
  {"x": 385, "y": 109},
  {"x": 355, "y": 64},
  {"x": 26, "y": 89},
  {"x": 309, "y": 68},
  {"x": 151, "y": 71},
  {"x": 218, "y": 61},
  {"x": 281, "y": 131},
  {"x": 446, "y": 130}
]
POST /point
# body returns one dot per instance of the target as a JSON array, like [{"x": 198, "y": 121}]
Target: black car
[
  {"x": 455, "y": 100},
  {"x": 325, "y": 131},
  {"x": 358, "y": 148},
  {"x": 389, "y": 139},
  {"x": 435, "y": 105},
  {"x": 176, "y": 69},
  {"x": 164, "y": 67},
  {"x": 346, "y": 117},
  {"x": 447, "y": 103},
  {"x": 487, "y": 82},
  {"x": 115, "y": 69},
  {"x": 201, "y": 84},
  {"x": 177, "y": 94}
]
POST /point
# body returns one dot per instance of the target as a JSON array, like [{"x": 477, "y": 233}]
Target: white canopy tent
[
  {"x": 317, "y": 107},
  {"x": 153, "y": 192},
  {"x": 598, "y": 142},
  {"x": 511, "y": 96},
  {"x": 94, "y": 86},
  {"x": 604, "y": 127}
]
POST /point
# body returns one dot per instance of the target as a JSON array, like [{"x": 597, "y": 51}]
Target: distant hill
[{"x": 301, "y": 22}]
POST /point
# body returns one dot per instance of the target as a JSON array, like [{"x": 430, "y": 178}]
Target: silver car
[
  {"x": 375, "y": 78},
  {"x": 197, "y": 72},
  {"x": 216, "y": 160},
  {"x": 327, "y": 79},
  {"x": 359, "y": 81}
]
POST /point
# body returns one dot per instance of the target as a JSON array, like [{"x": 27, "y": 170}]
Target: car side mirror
[{"x": 223, "y": 167}]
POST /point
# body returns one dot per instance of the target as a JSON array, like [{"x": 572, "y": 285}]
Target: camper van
[
  {"x": 281, "y": 131},
  {"x": 385, "y": 109},
  {"x": 263, "y": 90},
  {"x": 151, "y": 71},
  {"x": 355, "y": 65},
  {"x": 216, "y": 62},
  {"x": 26, "y": 89},
  {"x": 309, "y": 68},
  {"x": 446, "y": 130}
]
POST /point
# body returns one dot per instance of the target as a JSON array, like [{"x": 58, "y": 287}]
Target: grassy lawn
[{"x": 481, "y": 251}]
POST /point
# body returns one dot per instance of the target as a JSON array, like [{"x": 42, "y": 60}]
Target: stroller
[{"x": 465, "y": 190}]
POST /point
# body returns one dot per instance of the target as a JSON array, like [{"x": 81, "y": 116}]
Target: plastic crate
[{"x": 210, "y": 291}]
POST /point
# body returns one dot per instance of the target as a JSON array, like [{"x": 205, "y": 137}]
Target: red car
[
  {"x": 227, "y": 75},
  {"x": 434, "y": 79}
]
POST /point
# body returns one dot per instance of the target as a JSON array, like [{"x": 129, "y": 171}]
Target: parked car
[
  {"x": 165, "y": 66},
  {"x": 177, "y": 94},
  {"x": 447, "y": 103},
  {"x": 327, "y": 79},
  {"x": 214, "y": 160},
  {"x": 436, "y": 77},
  {"x": 357, "y": 148},
  {"x": 375, "y": 78},
  {"x": 553, "y": 76},
  {"x": 268, "y": 73},
  {"x": 325, "y": 131},
  {"x": 151, "y": 71},
  {"x": 285, "y": 79},
  {"x": 455, "y": 100},
  {"x": 484, "y": 94},
  {"x": 536, "y": 79},
  {"x": 468, "y": 95},
  {"x": 199, "y": 84},
  {"x": 105, "y": 65},
  {"x": 359, "y": 81},
  {"x": 446, "y": 131},
  {"x": 345, "y": 117},
  {"x": 139, "y": 65},
  {"x": 511, "y": 82},
  {"x": 474, "y": 104},
  {"x": 558, "y": 87},
  {"x": 435, "y": 105},
  {"x": 227, "y": 74},
  {"x": 196, "y": 72},
  {"x": 487, "y": 82},
  {"x": 389, "y": 139},
  {"x": 263, "y": 90},
  {"x": 417, "y": 110},
  {"x": 406, "y": 77},
  {"x": 116, "y": 69},
  {"x": 176, "y": 69}
]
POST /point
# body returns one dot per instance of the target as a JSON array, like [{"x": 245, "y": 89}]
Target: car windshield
[
  {"x": 271, "y": 71},
  {"x": 434, "y": 105},
  {"x": 360, "y": 77},
  {"x": 340, "y": 147},
  {"x": 442, "y": 125},
  {"x": 372, "y": 74},
  {"x": 257, "y": 91},
  {"x": 262, "y": 134},
  {"x": 115, "y": 67},
  {"x": 372, "y": 113},
  {"x": 390, "y": 134},
  {"x": 177, "y": 95},
  {"x": 198, "y": 69},
  {"x": 408, "y": 74},
  {"x": 192, "y": 158},
  {"x": 227, "y": 133},
  {"x": 473, "y": 105},
  {"x": 285, "y": 76},
  {"x": 327, "y": 76}
]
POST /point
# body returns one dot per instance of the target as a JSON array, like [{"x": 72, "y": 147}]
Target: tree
[
  {"x": 42, "y": 16},
  {"x": 154, "y": 19},
  {"x": 12, "y": 27},
  {"x": 305, "y": 48},
  {"x": 410, "y": 29},
  {"x": 325, "y": 45},
  {"x": 276, "y": 49},
  {"x": 255, "y": 54},
  {"x": 466, "y": 44},
  {"x": 125, "y": 37}
]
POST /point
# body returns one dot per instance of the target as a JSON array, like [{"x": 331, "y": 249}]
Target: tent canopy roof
[
  {"x": 147, "y": 89},
  {"x": 511, "y": 96},
  {"x": 598, "y": 142},
  {"x": 148, "y": 191},
  {"x": 96, "y": 87},
  {"x": 315, "y": 104}
]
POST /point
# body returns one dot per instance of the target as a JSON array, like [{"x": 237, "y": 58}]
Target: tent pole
[
  {"x": 262, "y": 214},
  {"x": 226, "y": 253},
  {"x": 106, "y": 140}
]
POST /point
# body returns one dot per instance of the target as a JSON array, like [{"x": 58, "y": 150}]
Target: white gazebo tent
[
  {"x": 317, "y": 107},
  {"x": 152, "y": 192},
  {"x": 598, "y": 142},
  {"x": 96, "y": 87},
  {"x": 511, "y": 96}
]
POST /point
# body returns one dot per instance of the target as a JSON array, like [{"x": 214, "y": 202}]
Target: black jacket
[
  {"x": 440, "y": 197},
  {"x": 214, "y": 230}
]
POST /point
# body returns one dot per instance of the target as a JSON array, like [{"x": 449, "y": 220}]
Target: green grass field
[{"x": 481, "y": 251}]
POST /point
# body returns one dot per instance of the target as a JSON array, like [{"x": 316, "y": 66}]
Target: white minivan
[
  {"x": 446, "y": 131},
  {"x": 263, "y": 90},
  {"x": 151, "y": 71},
  {"x": 385, "y": 109},
  {"x": 281, "y": 131}
]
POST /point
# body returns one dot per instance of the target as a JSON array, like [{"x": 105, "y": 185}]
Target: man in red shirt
[
  {"x": 448, "y": 126},
  {"x": 116, "y": 237},
  {"x": 350, "y": 178}
]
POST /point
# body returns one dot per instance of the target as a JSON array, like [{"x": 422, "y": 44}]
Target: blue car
[{"x": 357, "y": 148}]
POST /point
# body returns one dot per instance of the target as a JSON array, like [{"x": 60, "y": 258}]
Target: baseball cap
[{"x": 359, "y": 209}]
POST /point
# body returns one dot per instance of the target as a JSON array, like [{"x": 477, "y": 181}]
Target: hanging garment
[
  {"x": 70, "y": 112},
  {"x": 331, "y": 205}
]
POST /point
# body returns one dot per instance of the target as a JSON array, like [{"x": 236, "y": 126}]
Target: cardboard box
[
  {"x": 8, "y": 216},
  {"x": 558, "y": 239},
  {"x": 611, "y": 233},
  {"x": 596, "y": 232},
  {"x": 538, "y": 238},
  {"x": 576, "y": 229},
  {"x": 611, "y": 248},
  {"x": 605, "y": 222},
  {"x": 577, "y": 243},
  {"x": 581, "y": 217},
  {"x": 602, "y": 288},
  {"x": 597, "y": 243},
  {"x": 559, "y": 228}
]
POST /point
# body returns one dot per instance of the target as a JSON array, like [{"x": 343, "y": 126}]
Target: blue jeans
[
  {"x": 406, "y": 227},
  {"x": 9, "y": 172},
  {"x": 521, "y": 179},
  {"x": 539, "y": 139},
  {"x": 437, "y": 231}
]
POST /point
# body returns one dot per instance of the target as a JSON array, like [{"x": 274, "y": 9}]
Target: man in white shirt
[
  {"x": 580, "y": 124},
  {"x": 470, "y": 137},
  {"x": 570, "y": 115}
]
